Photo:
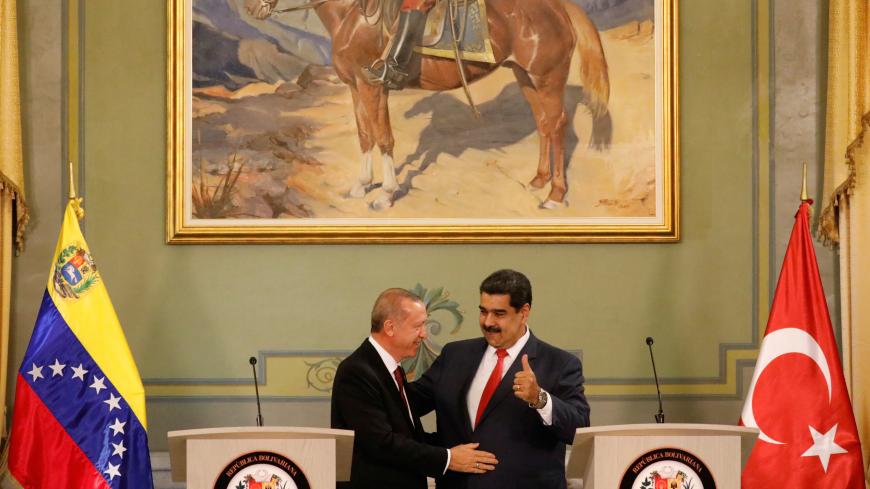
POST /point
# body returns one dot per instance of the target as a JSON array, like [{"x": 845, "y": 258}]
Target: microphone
[
  {"x": 253, "y": 362},
  {"x": 660, "y": 416}
]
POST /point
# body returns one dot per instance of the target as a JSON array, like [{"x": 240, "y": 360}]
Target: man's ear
[
  {"x": 389, "y": 327},
  {"x": 525, "y": 311}
]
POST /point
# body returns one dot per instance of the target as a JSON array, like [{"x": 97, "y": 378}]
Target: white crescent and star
[
  {"x": 775, "y": 345},
  {"x": 782, "y": 342},
  {"x": 824, "y": 446}
]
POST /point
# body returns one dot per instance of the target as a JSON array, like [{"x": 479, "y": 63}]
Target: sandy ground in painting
[{"x": 295, "y": 150}]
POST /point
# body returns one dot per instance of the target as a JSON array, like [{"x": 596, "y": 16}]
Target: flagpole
[
  {"x": 73, "y": 199},
  {"x": 72, "y": 183},
  {"x": 804, "y": 196}
]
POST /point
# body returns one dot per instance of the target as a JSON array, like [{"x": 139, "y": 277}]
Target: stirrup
[
  {"x": 376, "y": 74},
  {"x": 387, "y": 74}
]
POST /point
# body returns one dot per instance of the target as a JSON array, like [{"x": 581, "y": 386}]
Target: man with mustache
[
  {"x": 368, "y": 396},
  {"x": 515, "y": 395}
]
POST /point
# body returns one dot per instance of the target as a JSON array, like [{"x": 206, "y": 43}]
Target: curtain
[
  {"x": 13, "y": 211},
  {"x": 845, "y": 218}
]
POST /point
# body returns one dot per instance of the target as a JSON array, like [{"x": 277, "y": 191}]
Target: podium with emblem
[
  {"x": 260, "y": 457},
  {"x": 660, "y": 456}
]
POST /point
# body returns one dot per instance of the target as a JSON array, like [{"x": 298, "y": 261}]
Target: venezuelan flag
[{"x": 79, "y": 414}]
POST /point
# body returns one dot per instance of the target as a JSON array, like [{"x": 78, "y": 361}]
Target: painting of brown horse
[
  {"x": 279, "y": 135},
  {"x": 536, "y": 39}
]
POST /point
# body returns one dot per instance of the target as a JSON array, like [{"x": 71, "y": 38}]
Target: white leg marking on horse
[
  {"x": 365, "y": 176},
  {"x": 552, "y": 204},
  {"x": 389, "y": 171},
  {"x": 383, "y": 201}
]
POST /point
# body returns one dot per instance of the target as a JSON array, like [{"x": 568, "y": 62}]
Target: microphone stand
[
  {"x": 253, "y": 362},
  {"x": 660, "y": 416}
]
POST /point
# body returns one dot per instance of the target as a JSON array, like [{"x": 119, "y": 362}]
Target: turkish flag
[{"x": 798, "y": 398}]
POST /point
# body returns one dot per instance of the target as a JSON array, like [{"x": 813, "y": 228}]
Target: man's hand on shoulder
[{"x": 466, "y": 458}]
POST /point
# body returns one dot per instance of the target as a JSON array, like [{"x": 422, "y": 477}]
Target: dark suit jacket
[
  {"x": 530, "y": 454},
  {"x": 388, "y": 451}
]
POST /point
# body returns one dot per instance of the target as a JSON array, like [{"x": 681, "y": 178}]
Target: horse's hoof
[
  {"x": 383, "y": 201},
  {"x": 552, "y": 204},
  {"x": 538, "y": 182},
  {"x": 390, "y": 187},
  {"x": 358, "y": 191}
]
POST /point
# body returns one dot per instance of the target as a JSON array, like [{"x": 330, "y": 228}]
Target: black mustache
[{"x": 492, "y": 329}]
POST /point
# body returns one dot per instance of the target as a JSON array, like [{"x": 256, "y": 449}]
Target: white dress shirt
[
  {"x": 484, "y": 370},
  {"x": 391, "y": 364}
]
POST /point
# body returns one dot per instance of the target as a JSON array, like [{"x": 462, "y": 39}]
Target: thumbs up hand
[{"x": 526, "y": 384}]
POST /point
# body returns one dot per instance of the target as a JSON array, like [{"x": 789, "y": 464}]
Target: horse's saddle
[{"x": 466, "y": 18}]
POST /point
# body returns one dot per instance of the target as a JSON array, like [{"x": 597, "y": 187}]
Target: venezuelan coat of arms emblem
[
  {"x": 667, "y": 468},
  {"x": 74, "y": 272},
  {"x": 262, "y": 470}
]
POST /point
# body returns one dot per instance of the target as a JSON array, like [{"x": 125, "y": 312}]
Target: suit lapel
[
  {"x": 505, "y": 387},
  {"x": 472, "y": 362},
  {"x": 386, "y": 380},
  {"x": 416, "y": 426}
]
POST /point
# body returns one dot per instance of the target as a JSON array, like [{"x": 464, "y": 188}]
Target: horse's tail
[{"x": 593, "y": 64}]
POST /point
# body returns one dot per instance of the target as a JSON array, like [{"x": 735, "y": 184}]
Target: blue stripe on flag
[{"x": 86, "y": 404}]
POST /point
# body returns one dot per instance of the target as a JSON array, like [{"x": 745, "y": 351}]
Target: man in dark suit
[
  {"x": 515, "y": 395},
  {"x": 368, "y": 396}
]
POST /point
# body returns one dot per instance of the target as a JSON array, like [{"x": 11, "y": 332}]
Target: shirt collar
[
  {"x": 513, "y": 351},
  {"x": 388, "y": 359}
]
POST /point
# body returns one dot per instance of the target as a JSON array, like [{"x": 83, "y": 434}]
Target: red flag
[{"x": 798, "y": 398}]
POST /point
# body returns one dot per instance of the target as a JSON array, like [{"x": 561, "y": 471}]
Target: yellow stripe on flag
[{"x": 91, "y": 317}]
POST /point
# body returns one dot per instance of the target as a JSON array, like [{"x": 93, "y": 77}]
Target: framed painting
[{"x": 558, "y": 127}]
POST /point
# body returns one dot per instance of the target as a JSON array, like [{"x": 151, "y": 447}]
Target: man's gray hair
[{"x": 389, "y": 306}]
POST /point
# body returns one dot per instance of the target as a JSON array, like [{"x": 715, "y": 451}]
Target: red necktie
[
  {"x": 491, "y": 385},
  {"x": 400, "y": 380}
]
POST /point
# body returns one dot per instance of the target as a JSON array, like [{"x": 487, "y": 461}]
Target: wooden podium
[
  {"x": 312, "y": 457},
  {"x": 612, "y": 456}
]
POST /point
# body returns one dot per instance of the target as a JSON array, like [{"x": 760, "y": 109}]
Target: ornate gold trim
[
  {"x": 179, "y": 232},
  {"x": 485, "y": 57},
  {"x": 175, "y": 82},
  {"x": 828, "y": 227},
  {"x": 22, "y": 214}
]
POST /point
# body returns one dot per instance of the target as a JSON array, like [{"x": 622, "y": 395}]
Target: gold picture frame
[{"x": 661, "y": 223}]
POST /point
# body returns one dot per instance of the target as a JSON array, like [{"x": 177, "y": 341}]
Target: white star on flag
[
  {"x": 119, "y": 449},
  {"x": 118, "y": 426},
  {"x": 99, "y": 384},
  {"x": 113, "y": 471},
  {"x": 113, "y": 402},
  {"x": 36, "y": 372},
  {"x": 79, "y": 372},
  {"x": 824, "y": 446},
  {"x": 57, "y": 368}
]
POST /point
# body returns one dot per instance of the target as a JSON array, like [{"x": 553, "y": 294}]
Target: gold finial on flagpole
[
  {"x": 72, "y": 182},
  {"x": 804, "y": 196},
  {"x": 74, "y": 200}
]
